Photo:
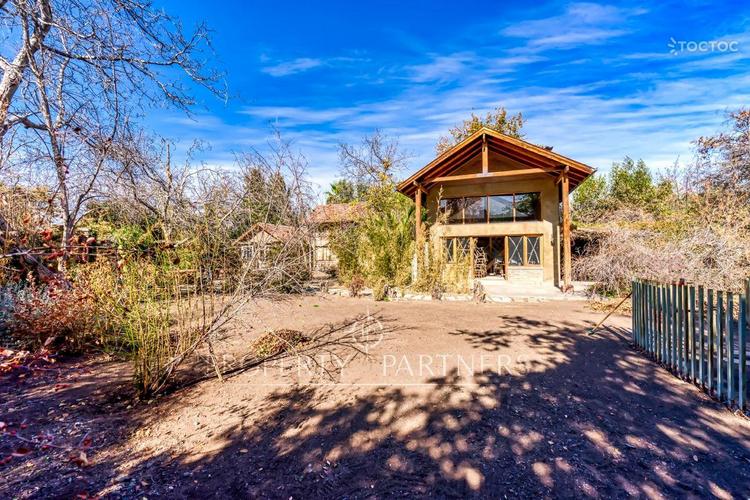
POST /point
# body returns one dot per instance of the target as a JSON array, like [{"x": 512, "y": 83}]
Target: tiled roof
[{"x": 336, "y": 213}]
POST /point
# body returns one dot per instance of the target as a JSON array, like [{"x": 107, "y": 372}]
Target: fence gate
[{"x": 700, "y": 334}]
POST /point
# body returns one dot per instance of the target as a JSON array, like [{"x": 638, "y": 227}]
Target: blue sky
[{"x": 595, "y": 80}]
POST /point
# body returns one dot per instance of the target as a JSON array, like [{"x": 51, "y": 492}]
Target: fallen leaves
[
  {"x": 45, "y": 441},
  {"x": 80, "y": 458},
  {"x": 12, "y": 361}
]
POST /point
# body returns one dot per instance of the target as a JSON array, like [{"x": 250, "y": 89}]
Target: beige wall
[{"x": 547, "y": 227}]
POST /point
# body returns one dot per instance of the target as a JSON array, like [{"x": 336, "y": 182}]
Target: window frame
[
  {"x": 453, "y": 251},
  {"x": 525, "y": 250},
  {"x": 461, "y": 202}
]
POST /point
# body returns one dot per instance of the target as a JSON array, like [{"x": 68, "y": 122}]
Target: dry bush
[
  {"x": 276, "y": 342},
  {"x": 171, "y": 297},
  {"x": 700, "y": 232},
  {"x": 356, "y": 284},
  {"x": 380, "y": 290},
  {"x": 708, "y": 246},
  {"x": 52, "y": 314}
]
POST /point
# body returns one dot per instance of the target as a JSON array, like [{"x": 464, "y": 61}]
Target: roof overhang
[{"x": 538, "y": 159}]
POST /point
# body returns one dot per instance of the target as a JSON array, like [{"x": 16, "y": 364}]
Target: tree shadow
[
  {"x": 584, "y": 416},
  {"x": 84, "y": 404}
]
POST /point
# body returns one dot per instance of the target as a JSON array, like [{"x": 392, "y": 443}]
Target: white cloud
[
  {"x": 292, "y": 67},
  {"x": 440, "y": 68},
  {"x": 580, "y": 24},
  {"x": 292, "y": 116}
]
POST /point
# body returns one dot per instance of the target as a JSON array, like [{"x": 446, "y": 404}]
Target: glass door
[{"x": 496, "y": 254}]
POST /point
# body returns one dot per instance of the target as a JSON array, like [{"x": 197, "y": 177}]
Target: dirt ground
[{"x": 452, "y": 399}]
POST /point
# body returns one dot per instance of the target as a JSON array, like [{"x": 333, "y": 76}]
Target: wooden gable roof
[{"x": 538, "y": 159}]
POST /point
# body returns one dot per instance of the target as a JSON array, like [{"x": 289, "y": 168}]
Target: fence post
[
  {"x": 665, "y": 322},
  {"x": 641, "y": 329},
  {"x": 742, "y": 336},
  {"x": 719, "y": 344},
  {"x": 691, "y": 334},
  {"x": 665, "y": 325},
  {"x": 701, "y": 339},
  {"x": 710, "y": 341},
  {"x": 633, "y": 302},
  {"x": 685, "y": 330},
  {"x": 674, "y": 313},
  {"x": 649, "y": 319},
  {"x": 654, "y": 313},
  {"x": 730, "y": 347},
  {"x": 680, "y": 328}
]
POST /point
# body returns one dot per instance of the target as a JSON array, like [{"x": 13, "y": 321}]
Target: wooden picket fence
[{"x": 700, "y": 334}]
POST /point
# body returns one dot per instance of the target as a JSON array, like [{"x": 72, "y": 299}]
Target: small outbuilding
[
  {"x": 328, "y": 218},
  {"x": 262, "y": 241}
]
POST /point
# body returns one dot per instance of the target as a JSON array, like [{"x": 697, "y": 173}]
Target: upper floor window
[
  {"x": 475, "y": 210},
  {"x": 527, "y": 206},
  {"x": 494, "y": 208}
]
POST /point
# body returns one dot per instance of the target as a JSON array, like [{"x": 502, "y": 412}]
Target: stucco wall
[{"x": 547, "y": 227}]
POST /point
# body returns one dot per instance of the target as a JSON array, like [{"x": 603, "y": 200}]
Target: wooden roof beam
[
  {"x": 490, "y": 175},
  {"x": 456, "y": 162},
  {"x": 485, "y": 155},
  {"x": 521, "y": 157}
]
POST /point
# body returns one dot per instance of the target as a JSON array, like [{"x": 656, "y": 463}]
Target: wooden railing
[{"x": 700, "y": 334}]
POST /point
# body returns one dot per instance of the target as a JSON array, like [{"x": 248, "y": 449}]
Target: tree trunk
[{"x": 13, "y": 74}]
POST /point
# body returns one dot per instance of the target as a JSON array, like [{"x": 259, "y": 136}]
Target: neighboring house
[
  {"x": 258, "y": 244},
  {"x": 503, "y": 204},
  {"x": 327, "y": 218}
]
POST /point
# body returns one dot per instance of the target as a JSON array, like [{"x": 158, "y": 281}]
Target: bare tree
[
  {"x": 378, "y": 159},
  {"x": 77, "y": 72}
]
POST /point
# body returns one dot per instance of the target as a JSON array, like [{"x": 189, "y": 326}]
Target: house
[
  {"x": 259, "y": 243},
  {"x": 327, "y": 218},
  {"x": 501, "y": 203}
]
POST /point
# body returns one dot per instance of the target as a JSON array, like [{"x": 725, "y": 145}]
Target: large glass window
[
  {"x": 495, "y": 208},
  {"x": 527, "y": 206},
  {"x": 501, "y": 208},
  {"x": 452, "y": 210},
  {"x": 475, "y": 210}
]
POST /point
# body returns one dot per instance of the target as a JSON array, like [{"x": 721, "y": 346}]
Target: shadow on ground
[{"x": 599, "y": 421}]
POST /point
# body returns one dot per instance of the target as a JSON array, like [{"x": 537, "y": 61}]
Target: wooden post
[
  {"x": 701, "y": 338},
  {"x": 729, "y": 317},
  {"x": 744, "y": 332},
  {"x": 691, "y": 333},
  {"x": 710, "y": 342},
  {"x": 565, "y": 190},
  {"x": 418, "y": 214},
  {"x": 720, "y": 345},
  {"x": 485, "y": 155}
]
